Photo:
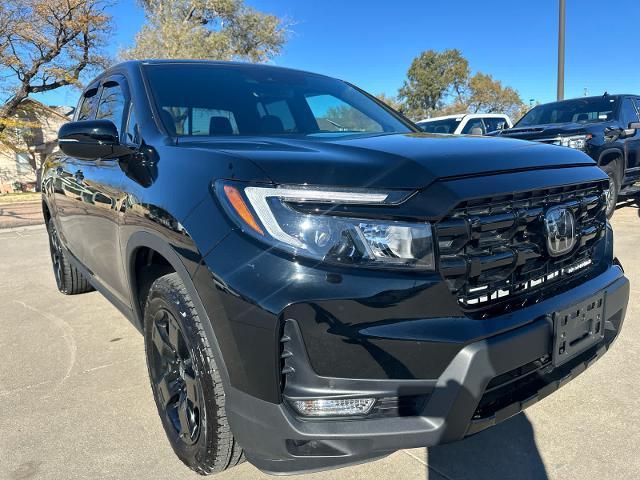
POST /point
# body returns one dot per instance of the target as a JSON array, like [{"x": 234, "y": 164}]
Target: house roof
[{"x": 54, "y": 110}]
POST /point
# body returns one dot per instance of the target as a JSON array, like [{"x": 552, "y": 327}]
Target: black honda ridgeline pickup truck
[{"x": 319, "y": 283}]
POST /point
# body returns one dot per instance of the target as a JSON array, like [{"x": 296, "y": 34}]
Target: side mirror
[{"x": 91, "y": 140}]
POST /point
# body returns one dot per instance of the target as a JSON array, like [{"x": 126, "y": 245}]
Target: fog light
[{"x": 342, "y": 407}]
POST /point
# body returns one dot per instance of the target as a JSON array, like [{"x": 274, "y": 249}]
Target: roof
[
  {"x": 136, "y": 64},
  {"x": 47, "y": 108},
  {"x": 595, "y": 97}
]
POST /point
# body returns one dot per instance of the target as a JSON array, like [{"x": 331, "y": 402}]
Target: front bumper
[{"x": 277, "y": 441}]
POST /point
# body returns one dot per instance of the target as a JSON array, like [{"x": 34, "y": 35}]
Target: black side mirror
[{"x": 91, "y": 140}]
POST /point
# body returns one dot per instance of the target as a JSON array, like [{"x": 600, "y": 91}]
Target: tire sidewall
[
  {"x": 61, "y": 283},
  {"x": 161, "y": 296},
  {"x": 611, "y": 169}
]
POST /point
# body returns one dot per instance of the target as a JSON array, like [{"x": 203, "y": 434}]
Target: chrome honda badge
[{"x": 560, "y": 228}]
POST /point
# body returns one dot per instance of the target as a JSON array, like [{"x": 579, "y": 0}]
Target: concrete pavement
[
  {"x": 20, "y": 214},
  {"x": 76, "y": 403}
]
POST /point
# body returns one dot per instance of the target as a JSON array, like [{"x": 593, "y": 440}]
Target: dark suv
[
  {"x": 318, "y": 283},
  {"x": 605, "y": 127}
]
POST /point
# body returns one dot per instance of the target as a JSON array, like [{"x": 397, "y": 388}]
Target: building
[{"x": 27, "y": 141}]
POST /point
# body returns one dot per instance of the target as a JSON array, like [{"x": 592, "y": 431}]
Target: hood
[
  {"x": 403, "y": 161},
  {"x": 542, "y": 132}
]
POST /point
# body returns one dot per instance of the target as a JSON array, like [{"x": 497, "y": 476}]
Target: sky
[{"x": 372, "y": 43}]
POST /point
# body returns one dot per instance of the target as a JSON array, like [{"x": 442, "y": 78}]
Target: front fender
[{"x": 180, "y": 257}]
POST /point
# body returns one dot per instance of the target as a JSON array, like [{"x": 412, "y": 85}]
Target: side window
[
  {"x": 88, "y": 104},
  {"x": 492, "y": 124},
  {"x": 334, "y": 115},
  {"x": 637, "y": 103},
  {"x": 132, "y": 132},
  {"x": 112, "y": 104},
  {"x": 474, "y": 127},
  {"x": 628, "y": 113}
]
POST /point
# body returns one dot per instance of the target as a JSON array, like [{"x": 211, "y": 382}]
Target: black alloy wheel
[{"x": 172, "y": 372}]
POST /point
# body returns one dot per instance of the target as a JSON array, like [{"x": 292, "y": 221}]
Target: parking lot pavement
[{"x": 76, "y": 403}]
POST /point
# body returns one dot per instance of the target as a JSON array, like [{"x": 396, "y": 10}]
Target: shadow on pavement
[
  {"x": 629, "y": 201},
  {"x": 506, "y": 451}
]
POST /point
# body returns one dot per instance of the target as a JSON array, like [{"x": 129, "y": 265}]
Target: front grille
[{"x": 492, "y": 251}]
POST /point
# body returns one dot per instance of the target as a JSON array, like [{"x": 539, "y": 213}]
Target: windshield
[
  {"x": 583, "y": 110},
  {"x": 201, "y": 99},
  {"x": 447, "y": 125}
]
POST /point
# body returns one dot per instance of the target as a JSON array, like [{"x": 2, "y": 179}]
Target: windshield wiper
[{"x": 337, "y": 125}]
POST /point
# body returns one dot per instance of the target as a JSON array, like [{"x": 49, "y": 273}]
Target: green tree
[
  {"x": 207, "y": 29},
  {"x": 440, "y": 83},
  {"x": 432, "y": 80},
  {"x": 486, "y": 95}
]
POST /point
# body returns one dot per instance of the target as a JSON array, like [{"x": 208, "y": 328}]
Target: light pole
[{"x": 561, "y": 28}]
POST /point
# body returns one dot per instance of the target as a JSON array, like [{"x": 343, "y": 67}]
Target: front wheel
[
  {"x": 611, "y": 169},
  {"x": 185, "y": 380}
]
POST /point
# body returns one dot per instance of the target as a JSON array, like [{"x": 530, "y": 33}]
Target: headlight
[
  {"x": 578, "y": 142},
  {"x": 270, "y": 215}
]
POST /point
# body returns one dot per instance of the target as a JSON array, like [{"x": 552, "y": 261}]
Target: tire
[
  {"x": 612, "y": 170},
  {"x": 69, "y": 280},
  {"x": 185, "y": 380}
]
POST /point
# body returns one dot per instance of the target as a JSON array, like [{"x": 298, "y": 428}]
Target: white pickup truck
[{"x": 466, "y": 123}]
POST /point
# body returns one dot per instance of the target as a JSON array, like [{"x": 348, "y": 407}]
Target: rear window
[{"x": 201, "y": 99}]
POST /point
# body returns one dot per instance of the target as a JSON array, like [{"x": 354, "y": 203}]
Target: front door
[
  {"x": 628, "y": 115},
  {"x": 90, "y": 221},
  {"x": 71, "y": 195},
  {"x": 106, "y": 180}
]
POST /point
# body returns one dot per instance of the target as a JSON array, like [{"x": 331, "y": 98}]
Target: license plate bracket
[{"x": 577, "y": 328}]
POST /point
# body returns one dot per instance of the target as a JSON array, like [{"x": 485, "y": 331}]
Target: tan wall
[
  {"x": 9, "y": 168},
  {"x": 39, "y": 142}
]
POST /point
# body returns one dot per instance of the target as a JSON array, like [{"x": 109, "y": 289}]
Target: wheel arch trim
[
  {"x": 154, "y": 242},
  {"x": 611, "y": 152}
]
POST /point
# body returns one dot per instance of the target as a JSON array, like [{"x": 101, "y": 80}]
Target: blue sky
[{"x": 372, "y": 43}]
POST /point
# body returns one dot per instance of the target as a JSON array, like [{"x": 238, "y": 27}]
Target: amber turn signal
[{"x": 236, "y": 201}]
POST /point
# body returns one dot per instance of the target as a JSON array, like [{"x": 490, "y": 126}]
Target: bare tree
[{"x": 47, "y": 44}]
